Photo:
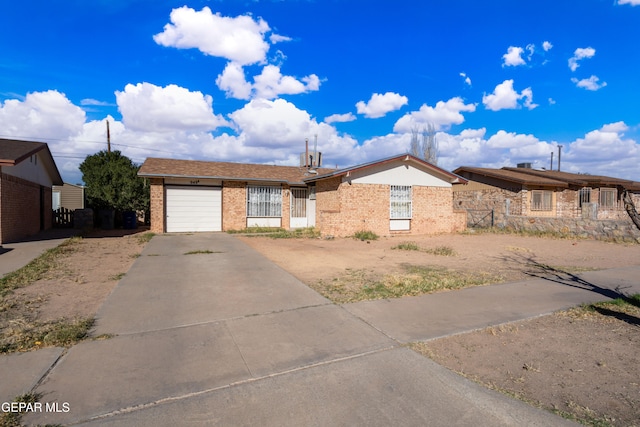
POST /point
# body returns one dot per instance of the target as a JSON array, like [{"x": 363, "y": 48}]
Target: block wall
[
  {"x": 344, "y": 209},
  {"x": 156, "y": 192},
  {"x": 20, "y": 208},
  {"x": 234, "y": 205}
]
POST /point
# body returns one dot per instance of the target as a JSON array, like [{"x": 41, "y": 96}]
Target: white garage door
[{"x": 194, "y": 209}]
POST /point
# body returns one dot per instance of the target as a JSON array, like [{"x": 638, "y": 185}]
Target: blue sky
[{"x": 502, "y": 82}]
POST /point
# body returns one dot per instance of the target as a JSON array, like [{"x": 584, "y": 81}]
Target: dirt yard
[{"x": 583, "y": 363}]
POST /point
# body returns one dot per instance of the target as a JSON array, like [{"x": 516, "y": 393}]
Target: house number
[{"x": 197, "y": 181}]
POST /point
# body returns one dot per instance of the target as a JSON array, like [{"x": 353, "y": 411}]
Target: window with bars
[
  {"x": 264, "y": 201},
  {"x": 400, "y": 206},
  {"x": 541, "y": 200},
  {"x": 608, "y": 197},
  {"x": 585, "y": 196}
]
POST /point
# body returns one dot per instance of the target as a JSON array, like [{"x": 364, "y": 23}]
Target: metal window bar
[
  {"x": 400, "y": 202},
  {"x": 608, "y": 197},
  {"x": 299, "y": 202},
  {"x": 585, "y": 196},
  {"x": 264, "y": 201},
  {"x": 541, "y": 200}
]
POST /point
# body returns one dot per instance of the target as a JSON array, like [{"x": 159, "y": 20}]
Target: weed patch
[
  {"x": 203, "y": 251},
  {"x": 24, "y": 336},
  {"x": 145, "y": 237},
  {"x": 407, "y": 246},
  {"x": 360, "y": 285},
  {"x": 38, "y": 268},
  {"x": 365, "y": 235}
]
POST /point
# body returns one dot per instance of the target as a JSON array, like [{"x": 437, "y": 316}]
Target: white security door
[
  {"x": 191, "y": 209},
  {"x": 298, "y": 208}
]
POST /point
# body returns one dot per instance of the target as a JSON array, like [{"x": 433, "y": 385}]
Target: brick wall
[
  {"x": 20, "y": 208},
  {"x": 156, "y": 189},
  {"x": 344, "y": 209},
  {"x": 234, "y": 205}
]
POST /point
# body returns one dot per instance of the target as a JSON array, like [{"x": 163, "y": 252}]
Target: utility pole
[{"x": 108, "y": 138}]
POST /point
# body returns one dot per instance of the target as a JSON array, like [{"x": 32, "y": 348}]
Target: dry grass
[{"x": 360, "y": 285}]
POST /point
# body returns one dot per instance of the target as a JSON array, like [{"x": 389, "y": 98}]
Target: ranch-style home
[
  {"x": 27, "y": 173},
  {"x": 400, "y": 194},
  {"x": 524, "y": 191}
]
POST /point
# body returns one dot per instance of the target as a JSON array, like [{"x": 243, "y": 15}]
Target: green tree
[{"x": 112, "y": 182}]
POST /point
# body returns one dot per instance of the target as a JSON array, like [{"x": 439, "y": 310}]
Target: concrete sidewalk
[{"x": 228, "y": 338}]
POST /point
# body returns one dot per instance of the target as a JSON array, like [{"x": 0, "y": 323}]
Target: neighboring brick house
[
  {"x": 400, "y": 194},
  {"x": 499, "y": 193},
  {"x": 27, "y": 173}
]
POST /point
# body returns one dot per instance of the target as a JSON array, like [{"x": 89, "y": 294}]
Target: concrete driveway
[{"x": 229, "y": 338}]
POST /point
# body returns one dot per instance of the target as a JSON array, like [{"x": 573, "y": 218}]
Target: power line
[{"x": 85, "y": 141}]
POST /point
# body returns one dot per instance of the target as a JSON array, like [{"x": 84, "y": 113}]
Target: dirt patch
[
  {"x": 83, "y": 276},
  {"x": 510, "y": 257},
  {"x": 579, "y": 362},
  {"x": 582, "y": 364}
]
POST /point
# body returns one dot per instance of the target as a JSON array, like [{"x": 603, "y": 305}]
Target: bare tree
[
  {"x": 424, "y": 144},
  {"x": 630, "y": 208}
]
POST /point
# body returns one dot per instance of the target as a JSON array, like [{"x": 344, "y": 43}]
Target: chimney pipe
[
  {"x": 559, "y": 154},
  {"x": 306, "y": 152},
  {"x": 551, "y": 168}
]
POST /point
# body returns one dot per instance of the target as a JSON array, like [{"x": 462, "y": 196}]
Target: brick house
[
  {"x": 400, "y": 194},
  {"x": 528, "y": 192},
  {"x": 27, "y": 174}
]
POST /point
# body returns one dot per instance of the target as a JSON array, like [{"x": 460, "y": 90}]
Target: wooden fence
[{"x": 62, "y": 218}]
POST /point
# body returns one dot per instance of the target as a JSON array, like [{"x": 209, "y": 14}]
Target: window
[
  {"x": 400, "y": 206},
  {"x": 264, "y": 201},
  {"x": 541, "y": 200},
  {"x": 585, "y": 196},
  {"x": 608, "y": 197}
]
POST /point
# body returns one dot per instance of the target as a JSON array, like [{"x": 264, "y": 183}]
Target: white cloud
[
  {"x": 269, "y": 84},
  {"x": 513, "y": 57},
  {"x": 442, "y": 116},
  {"x": 240, "y": 39},
  {"x": 466, "y": 78},
  {"x": 41, "y": 115},
  {"x": 580, "y": 54},
  {"x": 95, "y": 102},
  {"x": 147, "y": 107},
  {"x": 381, "y": 104},
  {"x": 617, "y": 127},
  {"x": 631, "y": 2},
  {"x": 589, "y": 84},
  {"x": 531, "y": 48},
  {"x": 233, "y": 81},
  {"x": 547, "y": 46},
  {"x": 505, "y": 97},
  {"x": 552, "y": 101},
  {"x": 339, "y": 118},
  {"x": 276, "y": 38}
]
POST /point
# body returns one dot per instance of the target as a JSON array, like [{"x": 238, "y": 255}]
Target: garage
[{"x": 193, "y": 208}]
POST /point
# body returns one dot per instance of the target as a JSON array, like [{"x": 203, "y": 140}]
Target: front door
[{"x": 298, "y": 208}]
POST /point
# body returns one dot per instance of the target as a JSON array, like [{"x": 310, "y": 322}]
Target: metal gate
[{"x": 298, "y": 208}]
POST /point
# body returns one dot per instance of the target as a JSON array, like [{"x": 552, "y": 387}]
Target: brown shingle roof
[
  {"x": 577, "y": 179},
  {"x": 13, "y": 152},
  {"x": 155, "y": 167},
  {"x": 512, "y": 176},
  {"x": 528, "y": 176}
]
